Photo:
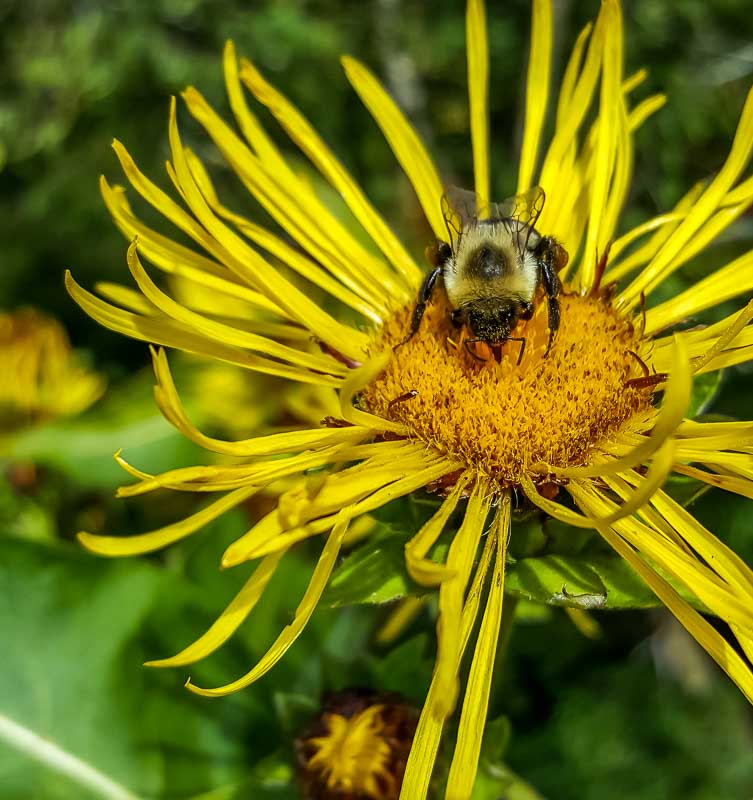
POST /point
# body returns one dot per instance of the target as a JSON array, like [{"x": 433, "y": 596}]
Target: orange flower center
[{"x": 503, "y": 417}]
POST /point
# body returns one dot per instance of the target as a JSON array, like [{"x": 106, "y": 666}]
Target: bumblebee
[{"x": 491, "y": 267}]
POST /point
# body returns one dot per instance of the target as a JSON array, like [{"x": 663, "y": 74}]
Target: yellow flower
[
  {"x": 357, "y": 747},
  {"x": 584, "y": 421},
  {"x": 41, "y": 378}
]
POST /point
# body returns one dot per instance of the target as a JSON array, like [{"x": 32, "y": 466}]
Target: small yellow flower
[
  {"x": 584, "y": 421},
  {"x": 357, "y": 748},
  {"x": 41, "y": 378}
]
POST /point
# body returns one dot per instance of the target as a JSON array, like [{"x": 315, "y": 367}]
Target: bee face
[{"x": 490, "y": 320}]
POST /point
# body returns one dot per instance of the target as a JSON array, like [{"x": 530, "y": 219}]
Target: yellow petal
[
  {"x": 231, "y": 618},
  {"x": 476, "y": 703},
  {"x": 164, "y": 332},
  {"x": 356, "y": 491},
  {"x": 714, "y": 644},
  {"x": 664, "y": 225},
  {"x": 421, "y": 569},
  {"x": 404, "y": 141},
  {"x": 302, "y": 615},
  {"x": 294, "y": 206},
  {"x": 155, "y": 540},
  {"x": 304, "y": 135},
  {"x": 606, "y": 141},
  {"x": 571, "y": 74},
  {"x": 175, "y": 259},
  {"x": 460, "y": 558},
  {"x": 278, "y": 248},
  {"x": 477, "y": 50},
  {"x": 734, "y": 279},
  {"x": 222, "y": 333},
  {"x": 429, "y": 731},
  {"x": 352, "y": 385},
  {"x": 537, "y": 90},
  {"x": 252, "y": 129},
  {"x": 248, "y": 264},
  {"x": 169, "y": 403},
  {"x": 662, "y": 264}
]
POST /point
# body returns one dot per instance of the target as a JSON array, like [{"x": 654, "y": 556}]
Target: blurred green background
[{"x": 639, "y": 712}]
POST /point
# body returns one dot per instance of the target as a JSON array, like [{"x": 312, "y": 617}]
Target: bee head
[{"x": 490, "y": 321}]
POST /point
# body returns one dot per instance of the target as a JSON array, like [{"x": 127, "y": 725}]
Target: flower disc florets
[
  {"x": 504, "y": 417},
  {"x": 357, "y": 748}
]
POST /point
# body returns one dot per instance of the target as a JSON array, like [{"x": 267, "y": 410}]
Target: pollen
[{"x": 499, "y": 416}]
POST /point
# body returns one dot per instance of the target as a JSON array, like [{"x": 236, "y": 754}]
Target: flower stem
[{"x": 46, "y": 752}]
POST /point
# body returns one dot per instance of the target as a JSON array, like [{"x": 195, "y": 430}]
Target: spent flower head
[{"x": 588, "y": 433}]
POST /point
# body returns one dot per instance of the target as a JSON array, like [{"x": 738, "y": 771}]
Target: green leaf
[
  {"x": 128, "y": 419},
  {"x": 588, "y": 582},
  {"x": 705, "y": 390},
  {"x": 71, "y": 675},
  {"x": 373, "y": 573}
]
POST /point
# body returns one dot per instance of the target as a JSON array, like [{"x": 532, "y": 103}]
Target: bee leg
[
  {"x": 552, "y": 287},
  {"x": 424, "y": 296},
  {"x": 472, "y": 353},
  {"x": 522, "y": 340}
]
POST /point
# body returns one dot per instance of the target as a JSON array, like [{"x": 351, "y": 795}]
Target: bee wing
[
  {"x": 459, "y": 212},
  {"x": 525, "y": 207}
]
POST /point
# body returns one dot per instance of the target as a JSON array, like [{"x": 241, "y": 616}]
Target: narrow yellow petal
[
  {"x": 361, "y": 494},
  {"x": 686, "y": 567},
  {"x": 606, "y": 142},
  {"x": 155, "y": 540},
  {"x": 280, "y": 249},
  {"x": 645, "y": 109},
  {"x": 164, "y": 332},
  {"x": 734, "y": 279},
  {"x": 460, "y": 558},
  {"x": 661, "y": 265},
  {"x": 352, "y": 385},
  {"x": 170, "y": 405},
  {"x": 739, "y": 486},
  {"x": 247, "y": 121},
  {"x": 293, "y": 204},
  {"x": 429, "y": 731},
  {"x": 229, "y": 620},
  {"x": 537, "y": 90},
  {"x": 722, "y": 558},
  {"x": 219, "y": 478},
  {"x": 304, "y": 135},
  {"x": 399, "y": 620},
  {"x": 570, "y": 75},
  {"x": 743, "y": 318},
  {"x": 175, "y": 259},
  {"x": 476, "y": 703},
  {"x": 714, "y": 644},
  {"x": 247, "y": 262},
  {"x": 302, "y": 615},
  {"x": 477, "y": 50},
  {"x": 421, "y": 569},
  {"x": 404, "y": 141},
  {"x": 573, "y": 107},
  {"x": 225, "y": 334}
]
